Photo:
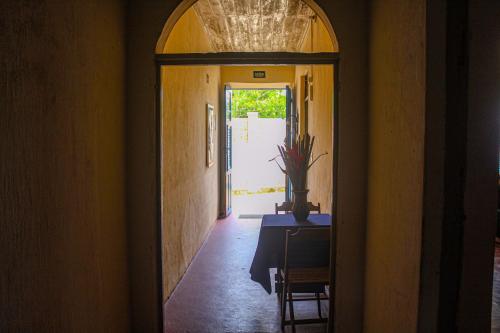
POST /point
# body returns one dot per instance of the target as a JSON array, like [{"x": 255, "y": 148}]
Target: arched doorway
[
  {"x": 185, "y": 56},
  {"x": 187, "y": 4}
]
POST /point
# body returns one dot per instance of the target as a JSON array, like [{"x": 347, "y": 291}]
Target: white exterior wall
[{"x": 254, "y": 144}]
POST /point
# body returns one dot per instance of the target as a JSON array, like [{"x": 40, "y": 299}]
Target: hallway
[{"x": 217, "y": 295}]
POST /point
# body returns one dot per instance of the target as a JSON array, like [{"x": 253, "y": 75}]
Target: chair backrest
[
  {"x": 287, "y": 206},
  {"x": 313, "y": 208},
  {"x": 307, "y": 247}
]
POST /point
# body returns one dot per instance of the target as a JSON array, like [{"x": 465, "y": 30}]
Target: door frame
[
  {"x": 291, "y": 133},
  {"x": 223, "y": 143},
  {"x": 224, "y": 210},
  {"x": 246, "y": 58}
]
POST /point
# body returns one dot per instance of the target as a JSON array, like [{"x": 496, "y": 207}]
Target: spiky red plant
[{"x": 296, "y": 160}]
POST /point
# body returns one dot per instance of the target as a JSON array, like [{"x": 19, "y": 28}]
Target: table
[{"x": 271, "y": 245}]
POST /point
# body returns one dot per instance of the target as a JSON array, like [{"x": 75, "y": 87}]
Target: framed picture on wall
[{"x": 211, "y": 135}]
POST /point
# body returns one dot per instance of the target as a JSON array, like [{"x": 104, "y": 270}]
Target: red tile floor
[
  {"x": 495, "y": 308},
  {"x": 216, "y": 293}
]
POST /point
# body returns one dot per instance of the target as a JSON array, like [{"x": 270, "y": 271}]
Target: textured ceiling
[{"x": 255, "y": 25}]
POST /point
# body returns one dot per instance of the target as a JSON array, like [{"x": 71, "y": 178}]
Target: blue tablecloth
[{"x": 271, "y": 245}]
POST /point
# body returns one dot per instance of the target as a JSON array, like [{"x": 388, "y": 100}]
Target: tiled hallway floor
[
  {"x": 216, "y": 294},
  {"x": 262, "y": 203}
]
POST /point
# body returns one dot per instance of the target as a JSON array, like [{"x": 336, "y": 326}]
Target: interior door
[
  {"x": 291, "y": 134},
  {"x": 226, "y": 155}
]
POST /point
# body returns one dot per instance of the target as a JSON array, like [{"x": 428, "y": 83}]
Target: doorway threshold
[{"x": 250, "y": 216}]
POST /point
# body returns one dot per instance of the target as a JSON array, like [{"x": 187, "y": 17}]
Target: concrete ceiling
[{"x": 255, "y": 25}]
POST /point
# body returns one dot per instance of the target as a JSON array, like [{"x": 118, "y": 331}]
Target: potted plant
[{"x": 296, "y": 159}]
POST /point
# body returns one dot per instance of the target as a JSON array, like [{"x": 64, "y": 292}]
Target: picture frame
[{"x": 211, "y": 134}]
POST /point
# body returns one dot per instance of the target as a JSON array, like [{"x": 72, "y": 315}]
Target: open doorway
[
  {"x": 190, "y": 187},
  {"x": 257, "y": 119},
  {"x": 189, "y": 96}
]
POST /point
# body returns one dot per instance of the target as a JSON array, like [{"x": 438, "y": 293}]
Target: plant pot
[{"x": 300, "y": 207}]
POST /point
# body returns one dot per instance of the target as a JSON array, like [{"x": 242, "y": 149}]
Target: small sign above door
[{"x": 259, "y": 74}]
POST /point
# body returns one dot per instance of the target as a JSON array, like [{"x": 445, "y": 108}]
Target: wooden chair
[
  {"x": 307, "y": 265},
  {"x": 313, "y": 208},
  {"x": 286, "y": 207}
]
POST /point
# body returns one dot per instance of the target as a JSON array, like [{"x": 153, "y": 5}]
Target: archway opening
[{"x": 193, "y": 173}]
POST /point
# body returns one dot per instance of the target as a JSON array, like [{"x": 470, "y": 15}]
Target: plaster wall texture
[
  {"x": 190, "y": 188},
  {"x": 62, "y": 204},
  {"x": 244, "y": 74},
  {"x": 188, "y": 35},
  {"x": 317, "y": 38},
  {"x": 145, "y": 22},
  {"x": 320, "y": 110},
  {"x": 395, "y": 178}
]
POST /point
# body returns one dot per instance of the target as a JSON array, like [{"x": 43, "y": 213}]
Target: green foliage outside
[{"x": 268, "y": 103}]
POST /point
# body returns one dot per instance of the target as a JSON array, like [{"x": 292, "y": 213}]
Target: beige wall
[
  {"x": 146, "y": 20},
  {"x": 190, "y": 189},
  {"x": 188, "y": 35},
  {"x": 244, "y": 74},
  {"x": 397, "y": 115},
  {"x": 62, "y": 201},
  {"x": 320, "y": 120},
  {"x": 190, "y": 199},
  {"x": 318, "y": 39}
]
